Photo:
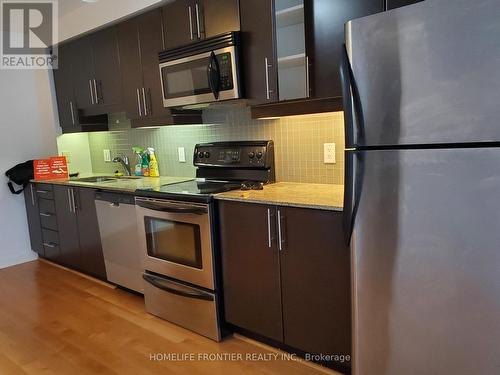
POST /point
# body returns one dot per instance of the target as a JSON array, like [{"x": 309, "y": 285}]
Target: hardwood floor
[{"x": 53, "y": 321}]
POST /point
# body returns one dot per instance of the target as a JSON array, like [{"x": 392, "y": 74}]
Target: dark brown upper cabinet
[
  {"x": 258, "y": 53},
  {"x": 324, "y": 31},
  {"x": 140, "y": 40},
  {"x": 392, "y": 4},
  {"x": 63, "y": 79},
  {"x": 187, "y": 21},
  {"x": 306, "y": 37},
  {"x": 96, "y": 70}
]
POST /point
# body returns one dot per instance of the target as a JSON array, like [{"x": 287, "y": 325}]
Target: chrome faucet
[{"x": 123, "y": 159}]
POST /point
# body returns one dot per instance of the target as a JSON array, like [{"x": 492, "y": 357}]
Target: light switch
[
  {"x": 329, "y": 153},
  {"x": 182, "y": 154},
  {"x": 107, "y": 155}
]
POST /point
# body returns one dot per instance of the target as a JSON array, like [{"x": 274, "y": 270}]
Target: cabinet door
[
  {"x": 258, "y": 48},
  {"x": 63, "y": 79},
  {"x": 251, "y": 269},
  {"x": 324, "y": 23},
  {"x": 33, "y": 214},
  {"x": 151, "y": 43},
  {"x": 83, "y": 71},
  {"x": 68, "y": 227},
  {"x": 216, "y": 17},
  {"x": 107, "y": 67},
  {"x": 179, "y": 23},
  {"x": 392, "y": 4},
  {"x": 315, "y": 272},
  {"x": 92, "y": 259},
  {"x": 131, "y": 69}
]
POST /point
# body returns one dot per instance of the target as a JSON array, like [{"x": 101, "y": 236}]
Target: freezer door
[
  {"x": 426, "y": 263},
  {"x": 427, "y": 73}
]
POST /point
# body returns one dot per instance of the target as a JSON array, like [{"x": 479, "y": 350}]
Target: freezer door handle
[
  {"x": 354, "y": 128},
  {"x": 354, "y": 171}
]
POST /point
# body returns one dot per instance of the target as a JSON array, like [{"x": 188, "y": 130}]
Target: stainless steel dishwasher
[{"x": 120, "y": 243}]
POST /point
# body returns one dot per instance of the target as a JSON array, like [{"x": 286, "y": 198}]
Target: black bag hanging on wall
[{"x": 21, "y": 175}]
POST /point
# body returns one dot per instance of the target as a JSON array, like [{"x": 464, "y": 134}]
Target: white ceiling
[{"x": 67, "y": 6}]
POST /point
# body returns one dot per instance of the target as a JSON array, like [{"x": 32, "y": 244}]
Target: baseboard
[{"x": 18, "y": 259}]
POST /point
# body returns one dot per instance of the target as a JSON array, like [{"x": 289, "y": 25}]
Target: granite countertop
[
  {"x": 124, "y": 184},
  {"x": 319, "y": 196}
]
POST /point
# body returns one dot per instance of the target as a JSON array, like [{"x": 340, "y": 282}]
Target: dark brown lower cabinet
[
  {"x": 33, "y": 215},
  {"x": 252, "y": 290},
  {"x": 79, "y": 238},
  {"x": 315, "y": 282},
  {"x": 286, "y": 276}
]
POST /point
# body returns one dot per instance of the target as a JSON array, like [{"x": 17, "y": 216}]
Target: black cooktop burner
[{"x": 194, "y": 190}]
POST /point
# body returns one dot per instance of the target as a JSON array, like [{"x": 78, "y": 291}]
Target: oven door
[
  {"x": 175, "y": 240},
  {"x": 201, "y": 78}
]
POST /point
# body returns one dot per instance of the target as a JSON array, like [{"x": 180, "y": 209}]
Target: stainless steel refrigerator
[{"x": 422, "y": 203}]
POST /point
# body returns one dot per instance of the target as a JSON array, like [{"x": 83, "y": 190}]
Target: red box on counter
[{"x": 52, "y": 168}]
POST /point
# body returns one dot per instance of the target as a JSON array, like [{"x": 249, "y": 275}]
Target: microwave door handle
[
  {"x": 177, "y": 210},
  {"x": 213, "y": 73},
  {"x": 175, "y": 288}
]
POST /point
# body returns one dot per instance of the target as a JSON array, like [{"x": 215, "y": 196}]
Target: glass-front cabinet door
[{"x": 293, "y": 69}]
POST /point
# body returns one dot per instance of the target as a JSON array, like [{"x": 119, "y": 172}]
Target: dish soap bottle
[
  {"x": 153, "y": 163},
  {"x": 138, "y": 165},
  {"x": 145, "y": 164}
]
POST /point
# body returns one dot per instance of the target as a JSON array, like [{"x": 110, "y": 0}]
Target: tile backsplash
[{"x": 298, "y": 142}]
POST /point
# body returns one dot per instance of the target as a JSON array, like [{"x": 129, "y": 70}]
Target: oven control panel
[{"x": 253, "y": 154}]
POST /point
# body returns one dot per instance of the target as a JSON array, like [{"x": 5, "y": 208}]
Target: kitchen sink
[{"x": 96, "y": 179}]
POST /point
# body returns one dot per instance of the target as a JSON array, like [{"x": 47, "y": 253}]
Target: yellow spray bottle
[{"x": 153, "y": 163}]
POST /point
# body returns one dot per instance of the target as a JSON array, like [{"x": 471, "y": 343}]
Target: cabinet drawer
[
  {"x": 51, "y": 251},
  {"x": 50, "y": 237},
  {"x": 44, "y": 191},
  {"x": 48, "y": 220},
  {"x": 47, "y": 206}
]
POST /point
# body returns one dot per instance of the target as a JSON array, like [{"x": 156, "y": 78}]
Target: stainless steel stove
[{"x": 177, "y": 233}]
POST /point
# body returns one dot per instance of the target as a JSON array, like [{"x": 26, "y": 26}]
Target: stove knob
[
  {"x": 259, "y": 155},
  {"x": 207, "y": 154},
  {"x": 200, "y": 155},
  {"x": 251, "y": 155}
]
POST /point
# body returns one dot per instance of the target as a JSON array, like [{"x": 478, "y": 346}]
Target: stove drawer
[{"x": 183, "y": 305}]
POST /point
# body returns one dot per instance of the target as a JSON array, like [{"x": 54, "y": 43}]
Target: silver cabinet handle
[
  {"x": 44, "y": 214},
  {"x": 49, "y": 244},
  {"x": 72, "y": 112},
  {"x": 280, "y": 234},
  {"x": 308, "y": 85},
  {"x": 70, "y": 201},
  {"x": 144, "y": 101},
  {"x": 139, "y": 103},
  {"x": 268, "y": 93},
  {"x": 198, "y": 20},
  {"x": 190, "y": 24},
  {"x": 95, "y": 92},
  {"x": 42, "y": 192},
  {"x": 32, "y": 195},
  {"x": 269, "y": 240},
  {"x": 91, "y": 91},
  {"x": 73, "y": 200}
]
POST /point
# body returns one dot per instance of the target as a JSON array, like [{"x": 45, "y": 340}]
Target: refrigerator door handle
[
  {"x": 354, "y": 171},
  {"x": 354, "y": 133}
]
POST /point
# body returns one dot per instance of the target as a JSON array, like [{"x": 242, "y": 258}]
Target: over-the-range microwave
[{"x": 203, "y": 72}]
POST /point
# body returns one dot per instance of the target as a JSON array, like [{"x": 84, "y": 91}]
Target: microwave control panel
[{"x": 226, "y": 71}]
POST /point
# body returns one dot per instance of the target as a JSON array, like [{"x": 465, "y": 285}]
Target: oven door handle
[
  {"x": 213, "y": 73},
  {"x": 176, "y": 288},
  {"x": 177, "y": 210}
]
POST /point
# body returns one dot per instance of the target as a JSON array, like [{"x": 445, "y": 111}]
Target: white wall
[
  {"x": 28, "y": 130},
  {"x": 89, "y": 16}
]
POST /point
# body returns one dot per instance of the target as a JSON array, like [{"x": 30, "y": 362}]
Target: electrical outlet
[
  {"x": 329, "y": 153},
  {"x": 182, "y": 154},
  {"x": 107, "y": 155}
]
